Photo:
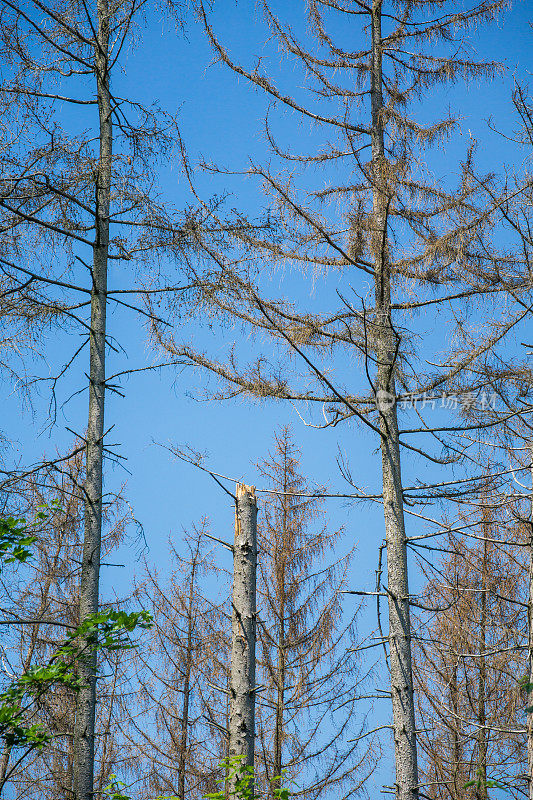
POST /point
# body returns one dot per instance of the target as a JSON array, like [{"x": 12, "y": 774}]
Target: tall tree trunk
[
  {"x": 184, "y": 726},
  {"x": 281, "y": 665},
  {"x": 280, "y": 709},
  {"x": 530, "y": 648},
  {"x": 385, "y": 340},
  {"x": 242, "y": 668},
  {"x": 481, "y": 791},
  {"x": 457, "y": 788},
  {"x": 226, "y": 748},
  {"x": 186, "y": 689},
  {"x": 90, "y": 570}
]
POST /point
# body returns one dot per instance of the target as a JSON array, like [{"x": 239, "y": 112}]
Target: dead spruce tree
[
  {"x": 25, "y": 310},
  {"x": 37, "y": 614},
  {"x": 505, "y": 430},
  {"x": 398, "y": 242},
  {"x": 307, "y": 712},
  {"x": 309, "y": 680},
  {"x": 470, "y": 655},
  {"x": 175, "y": 718},
  {"x": 75, "y": 197},
  {"x": 505, "y": 434}
]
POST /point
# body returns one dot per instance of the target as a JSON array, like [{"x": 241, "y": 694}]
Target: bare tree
[
  {"x": 38, "y": 614},
  {"x": 308, "y": 711},
  {"x": 470, "y": 656},
  {"x": 506, "y": 430},
  {"x": 174, "y": 717},
  {"x": 75, "y": 200},
  {"x": 387, "y": 228},
  {"x": 529, "y": 674}
]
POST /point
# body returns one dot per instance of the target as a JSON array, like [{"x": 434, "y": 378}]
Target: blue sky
[{"x": 221, "y": 119}]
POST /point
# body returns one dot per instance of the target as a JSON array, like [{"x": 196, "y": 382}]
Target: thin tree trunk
[
  {"x": 530, "y": 649},
  {"x": 90, "y": 570},
  {"x": 184, "y": 728},
  {"x": 226, "y": 749},
  {"x": 280, "y": 709},
  {"x": 186, "y": 690},
  {"x": 386, "y": 350},
  {"x": 456, "y": 744},
  {"x": 481, "y": 791},
  {"x": 281, "y": 666},
  {"x": 242, "y": 668}
]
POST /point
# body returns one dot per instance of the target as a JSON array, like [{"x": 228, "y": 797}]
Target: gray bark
[
  {"x": 280, "y": 702},
  {"x": 482, "y": 789},
  {"x": 90, "y": 570},
  {"x": 182, "y": 761},
  {"x": 242, "y": 668},
  {"x": 385, "y": 340},
  {"x": 281, "y": 666},
  {"x": 457, "y": 758},
  {"x": 403, "y": 710}
]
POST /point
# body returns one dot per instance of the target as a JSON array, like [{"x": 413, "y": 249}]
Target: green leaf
[
  {"x": 15, "y": 540},
  {"x": 105, "y": 630},
  {"x": 241, "y": 780},
  {"x": 114, "y": 789}
]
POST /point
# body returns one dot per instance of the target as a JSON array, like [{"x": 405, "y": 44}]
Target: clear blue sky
[{"x": 221, "y": 119}]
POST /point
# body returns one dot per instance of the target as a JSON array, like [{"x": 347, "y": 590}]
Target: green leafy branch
[
  {"x": 109, "y": 630},
  {"x": 31, "y": 686},
  {"x": 482, "y": 783},
  {"x": 106, "y": 630},
  {"x": 238, "y": 776},
  {"x": 527, "y": 686},
  {"x": 240, "y": 779},
  {"x": 16, "y": 537},
  {"x": 15, "y": 540},
  {"x": 114, "y": 790}
]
